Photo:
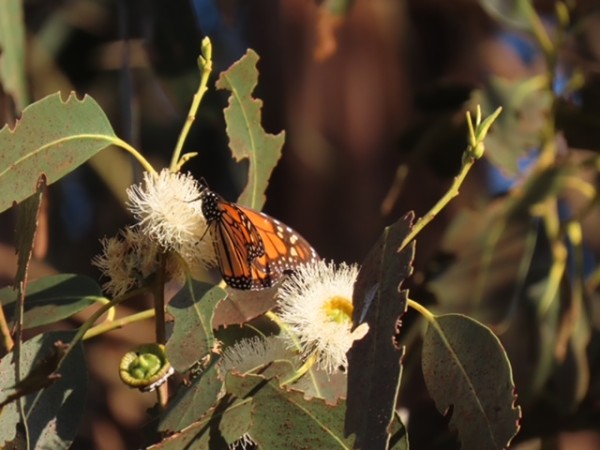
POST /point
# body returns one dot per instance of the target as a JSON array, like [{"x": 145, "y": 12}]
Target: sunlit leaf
[
  {"x": 53, "y": 298},
  {"x": 52, "y": 138},
  {"x": 55, "y": 412},
  {"x": 247, "y": 138},
  {"x": 193, "y": 310},
  {"x": 374, "y": 362},
  {"x": 461, "y": 353}
]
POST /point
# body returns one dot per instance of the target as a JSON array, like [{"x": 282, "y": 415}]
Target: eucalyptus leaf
[
  {"x": 53, "y": 137},
  {"x": 53, "y": 298},
  {"x": 54, "y": 412},
  {"x": 218, "y": 429},
  {"x": 247, "y": 138},
  {"x": 468, "y": 373},
  {"x": 283, "y": 418},
  {"x": 374, "y": 362},
  {"x": 192, "y": 309},
  {"x": 192, "y": 402}
]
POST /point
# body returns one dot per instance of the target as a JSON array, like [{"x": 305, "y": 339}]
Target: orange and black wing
[
  {"x": 239, "y": 247},
  {"x": 253, "y": 250},
  {"x": 284, "y": 248}
]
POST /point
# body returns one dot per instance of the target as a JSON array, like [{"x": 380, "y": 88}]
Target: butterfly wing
[
  {"x": 239, "y": 249},
  {"x": 253, "y": 249},
  {"x": 284, "y": 248}
]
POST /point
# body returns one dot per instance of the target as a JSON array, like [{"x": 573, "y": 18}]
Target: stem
[
  {"x": 159, "y": 302},
  {"x": 19, "y": 312},
  {"x": 137, "y": 155},
  {"x": 107, "y": 326},
  {"x": 441, "y": 203},
  {"x": 83, "y": 329},
  {"x": 309, "y": 362},
  {"x": 559, "y": 260},
  {"x": 92, "y": 319},
  {"x": 206, "y": 66},
  {"x": 275, "y": 318},
  {"x": 302, "y": 370},
  {"x": 5, "y": 331},
  {"x": 428, "y": 315},
  {"x": 537, "y": 27},
  {"x": 162, "y": 393},
  {"x": 98, "y": 137},
  {"x": 111, "y": 313},
  {"x": 474, "y": 151}
]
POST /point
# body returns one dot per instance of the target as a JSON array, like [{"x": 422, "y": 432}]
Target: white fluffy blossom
[
  {"x": 169, "y": 211},
  {"x": 316, "y": 304}
]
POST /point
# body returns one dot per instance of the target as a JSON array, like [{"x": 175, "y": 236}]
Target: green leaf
[
  {"x": 52, "y": 138},
  {"x": 12, "y": 52},
  {"x": 247, "y": 138},
  {"x": 285, "y": 419},
  {"x": 55, "y": 412},
  {"x": 53, "y": 298},
  {"x": 463, "y": 354},
  {"x": 193, "y": 309},
  {"x": 192, "y": 402},
  {"x": 374, "y": 362}
]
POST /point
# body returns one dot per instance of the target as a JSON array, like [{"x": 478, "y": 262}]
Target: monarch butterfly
[{"x": 253, "y": 249}]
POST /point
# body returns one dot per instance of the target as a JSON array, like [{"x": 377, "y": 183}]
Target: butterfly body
[{"x": 254, "y": 251}]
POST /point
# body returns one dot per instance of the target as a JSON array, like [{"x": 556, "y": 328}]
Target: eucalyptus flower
[{"x": 316, "y": 305}]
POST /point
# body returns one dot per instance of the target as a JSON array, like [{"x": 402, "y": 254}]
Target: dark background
[{"x": 357, "y": 94}]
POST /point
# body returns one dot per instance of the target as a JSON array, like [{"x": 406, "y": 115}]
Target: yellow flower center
[{"x": 338, "y": 309}]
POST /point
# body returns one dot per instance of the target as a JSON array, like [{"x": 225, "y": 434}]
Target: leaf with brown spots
[
  {"x": 51, "y": 138},
  {"x": 463, "y": 354}
]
